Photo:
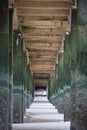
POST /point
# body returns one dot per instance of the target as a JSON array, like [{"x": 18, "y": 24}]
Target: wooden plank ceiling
[{"x": 43, "y": 24}]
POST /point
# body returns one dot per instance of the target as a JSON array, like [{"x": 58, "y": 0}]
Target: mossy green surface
[{"x": 67, "y": 60}]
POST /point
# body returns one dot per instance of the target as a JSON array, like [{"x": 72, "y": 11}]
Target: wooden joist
[
  {"x": 39, "y": 11},
  {"x": 41, "y": 45},
  {"x": 60, "y": 18},
  {"x": 43, "y": 59},
  {"x": 45, "y": 24},
  {"x": 45, "y": 31},
  {"x": 42, "y": 71},
  {"x": 45, "y": 3},
  {"x": 42, "y": 66},
  {"x": 42, "y": 54},
  {"x": 41, "y": 76},
  {"x": 41, "y": 85},
  {"x": 42, "y": 63},
  {"x": 43, "y": 39},
  {"x": 39, "y": 81}
]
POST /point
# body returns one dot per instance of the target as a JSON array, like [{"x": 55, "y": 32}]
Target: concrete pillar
[
  {"x": 58, "y": 99},
  {"x": 67, "y": 103},
  {"x": 67, "y": 77},
  {"x": 27, "y": 101},
  {"x": 51, "y": 83},
  {"x": 10, "y": 66},
  {"x": 60, "y": 102},
  {"x": 18, "y": 72},
  {"x": 49, "y": 89},
  {"x": 56, "y": 78},
  {"x": 73, "y": 69},
  {"x": 18, "y": 104},
  {"x": 5, "y": 111},
  {"x": 79, "y": 81},
  {"x": 67, "y": 60},
  {"x": 61, "y": 70}
]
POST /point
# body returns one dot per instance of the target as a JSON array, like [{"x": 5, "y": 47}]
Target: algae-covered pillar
[
  {"x": 56, "y": 79},
  {"x": 49, "y": 89},
  {"x": 60, "y": 99},
  {"x": 79, "y": 67},
  {"x": 61, "y": 70},
  {"x": 73, "y": 68},
  {"x": 5, "y": 111},
  {"x": 18, "y": 83},
  {"x": 11, "y": 66},
  {"x": 52, "y": 84},
  {"x": 67, "y": 76}
]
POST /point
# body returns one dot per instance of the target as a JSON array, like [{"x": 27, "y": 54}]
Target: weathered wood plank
[
  {"x": 42, "y": 66},
  {"x": 38, "y": 3},
  {"x": 42, "y": 71},
  {"x": 43, "y": 39},
  {"x": 41, "y": 85},
  {"x": 45, "y": 31},
  {"x": 62, "y": 18},
  {"x": 42, "y": 47},
  {"x": 44, "y": 24},
  {"x": 41, "y": 76},
  {"x": 43, "y": 59},
  {"x": 47, "y": 63},
  {"x": 43, "y": 11},
  {"x": 42, "y": 54},
  {"x": 39, "y": 81}
]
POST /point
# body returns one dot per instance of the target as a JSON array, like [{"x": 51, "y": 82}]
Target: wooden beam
[
  {"x": 44, "y": 59},
  {"x": 41, "y": 76},
  {"x": 41, "y": 85},
  {"x": 42, "y": 54},
  {"x": 45, "y": 24},
  {"x": 39, "y": 81},
  {"x": 43, "y": 39},
  {"x": 43, "y": 49},
  {"x": 42, "y": 67},
  {"x": 60, "y": 18},
  {"x": 39, "y": 11},
  {"x": 42, "y": 71},
  {"x": 45, "y": 31},
  {"x": 45, "y": 3},
  {"x": 42, "y": 45},
  {"x": 47, "y": 63}
]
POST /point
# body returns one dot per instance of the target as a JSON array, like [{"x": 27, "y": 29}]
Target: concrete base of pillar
[
  {"x": 5, "y": 124},
  {"x": 18, "y": 108},
  {"x": 79, "y": 121},
  {"x": 67, "y": 104},
  {"x": 27, "y": 101},
  {"x": 58, "y": 102}
]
